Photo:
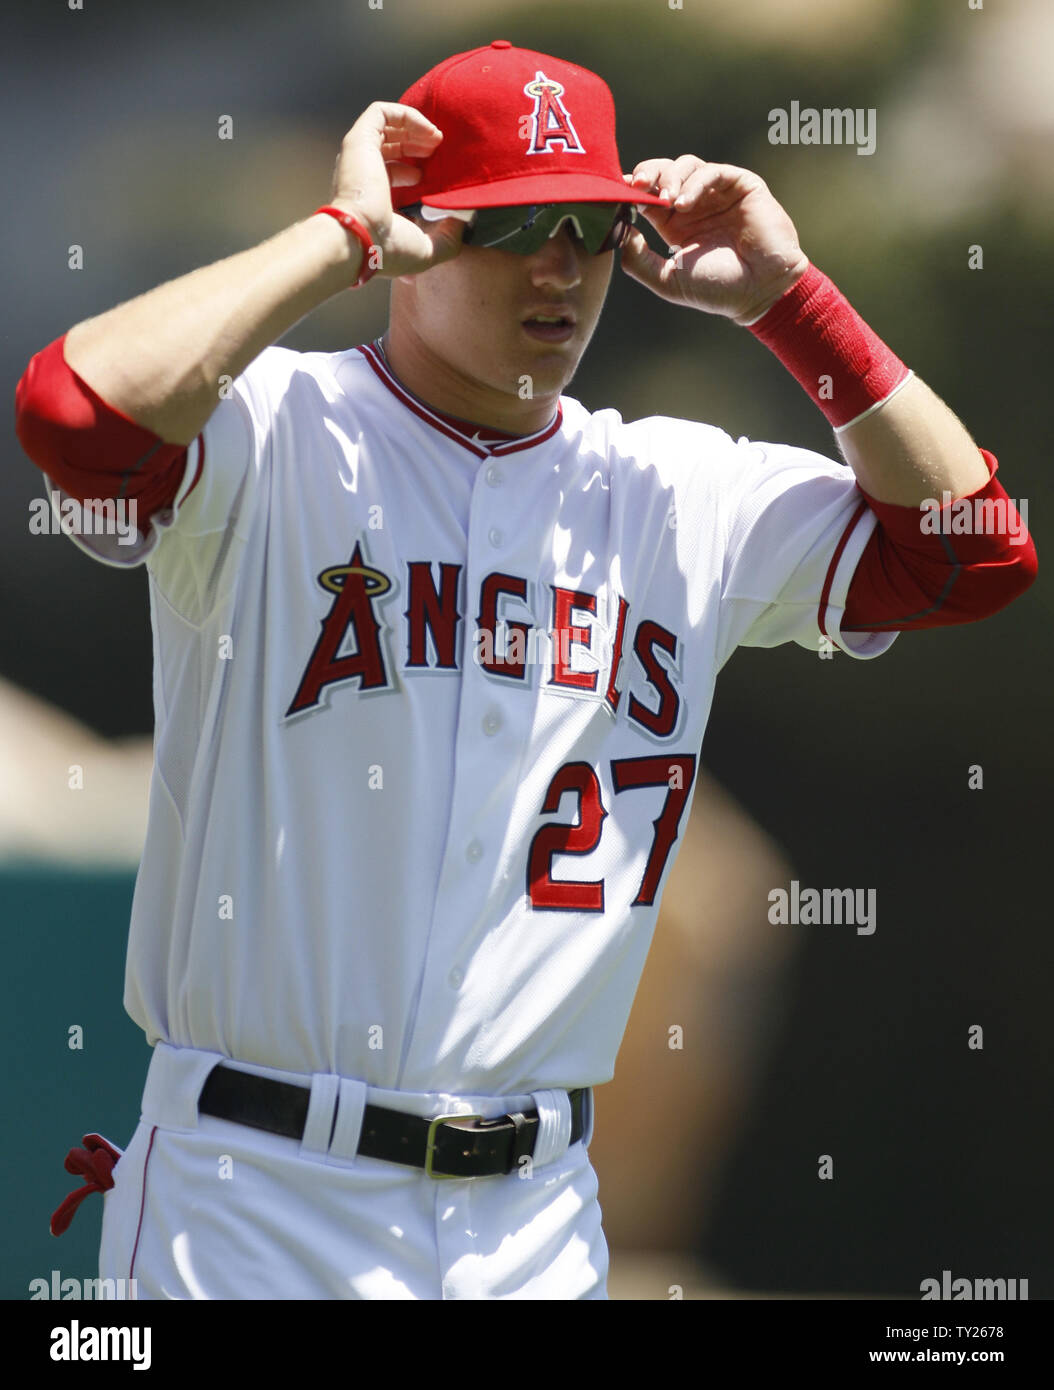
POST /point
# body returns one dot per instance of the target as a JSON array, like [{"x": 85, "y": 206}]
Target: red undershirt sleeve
[
  {"x": 87, "y": 447},
  {"x": 956, "y": 562}
]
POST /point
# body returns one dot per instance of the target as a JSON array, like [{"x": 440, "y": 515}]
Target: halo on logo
[
  {"x": 332, "y": 580},
  {"x": 542, "y": 84}
]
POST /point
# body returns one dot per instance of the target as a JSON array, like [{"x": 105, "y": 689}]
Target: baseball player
[{"x": 435, "y": 648}]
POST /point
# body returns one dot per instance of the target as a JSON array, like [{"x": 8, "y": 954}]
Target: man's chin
[{"x": 547, "y": 373}]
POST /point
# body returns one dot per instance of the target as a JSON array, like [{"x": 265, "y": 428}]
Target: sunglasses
[{"x": 524, "y": 230}]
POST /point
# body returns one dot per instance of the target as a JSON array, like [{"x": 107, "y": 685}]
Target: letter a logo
[
  {"x": 552, "y": 124},
  {"x": 354, "y": 587}
]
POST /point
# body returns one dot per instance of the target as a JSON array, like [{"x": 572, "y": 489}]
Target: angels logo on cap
[
  {"x": 551, "y": 121},
  {"x": 498, "y": 150}
]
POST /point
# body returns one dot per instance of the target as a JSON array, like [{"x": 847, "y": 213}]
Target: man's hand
[
  {"x": 374, "y": 157},
  {"x": 734, "y": 250}
]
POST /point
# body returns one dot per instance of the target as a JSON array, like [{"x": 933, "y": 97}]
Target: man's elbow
[
  {"x": 44, "y": 411},
  {"x": 1016, "y": 573},
  {"x": 987, "y": 587}
]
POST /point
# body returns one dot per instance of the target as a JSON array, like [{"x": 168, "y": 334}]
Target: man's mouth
[{"x": 549, "y": 328}]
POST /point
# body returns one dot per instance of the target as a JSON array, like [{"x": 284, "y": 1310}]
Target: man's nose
[{"x": 559, "y": 261}]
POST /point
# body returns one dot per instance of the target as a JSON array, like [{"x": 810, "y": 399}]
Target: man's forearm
[
  {"x": 903, "y": 443},
  {"x": 159, "y": 358},
  {"x": 911, "y": 448}
]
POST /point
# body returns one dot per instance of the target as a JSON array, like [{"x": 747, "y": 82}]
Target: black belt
[{"x": 449, "y": 1146}]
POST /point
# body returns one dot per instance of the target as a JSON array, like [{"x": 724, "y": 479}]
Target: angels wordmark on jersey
[
  {"x": 485, "y": 905},
  {"x": 354, "y": 643}
]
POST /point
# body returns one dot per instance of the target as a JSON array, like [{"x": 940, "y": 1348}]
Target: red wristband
[
  {"x": 827, "y": 347},
  {"x": 353, "y": 225}
]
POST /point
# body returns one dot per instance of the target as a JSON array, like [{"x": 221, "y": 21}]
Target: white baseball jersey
[{"x": 429, "y": 715}]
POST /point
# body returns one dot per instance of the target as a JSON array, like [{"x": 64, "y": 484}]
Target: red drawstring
[{"x": 95, "y": 1164}]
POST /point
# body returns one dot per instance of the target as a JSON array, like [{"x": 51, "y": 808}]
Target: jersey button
[
  {"x": 474, "y": 852},
  {"x": 491, "y": 722},
  {"x": 493, "y": 476},
  {"x": 456, "y": 978},
  {"x": 495, "y": 537}
]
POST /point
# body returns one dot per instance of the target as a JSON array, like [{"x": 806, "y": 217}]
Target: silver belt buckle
[{"x": 430, "y": 1145}]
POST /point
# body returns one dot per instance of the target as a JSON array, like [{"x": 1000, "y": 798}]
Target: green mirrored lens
[{"x": 524, "y": 230}]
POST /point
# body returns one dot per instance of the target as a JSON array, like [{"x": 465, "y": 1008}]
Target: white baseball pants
[{"x": 205, "y": 1208}]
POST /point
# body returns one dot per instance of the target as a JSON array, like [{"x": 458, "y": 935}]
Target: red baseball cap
[{"x": 518, "y": 127}]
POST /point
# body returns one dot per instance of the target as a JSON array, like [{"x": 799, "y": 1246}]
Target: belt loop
[
  {"x": 554, "y": 1126},
  {"x": 173, "y": 1085},
  {"x": 351, "y": 1105},
  {"x": 320, "y": 1113},
  {"x": 590, "y": 1118}
]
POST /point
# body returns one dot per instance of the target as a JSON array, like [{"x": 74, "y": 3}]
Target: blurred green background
[
  {"x": 64, "y": 962},
  {"x": 858, "y": 770}
]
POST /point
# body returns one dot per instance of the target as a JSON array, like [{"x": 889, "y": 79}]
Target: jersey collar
[{"x": 460, "y": 431}]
